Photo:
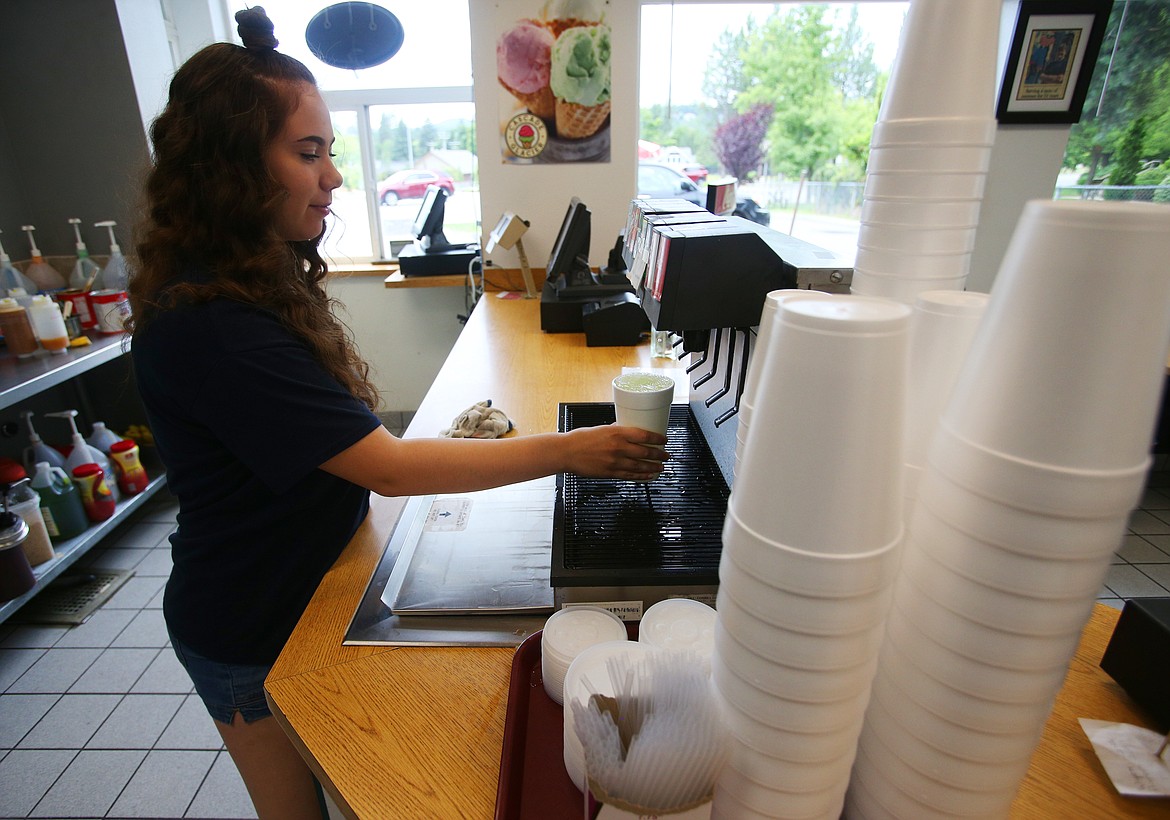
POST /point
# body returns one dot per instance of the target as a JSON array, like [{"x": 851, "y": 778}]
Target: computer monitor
[
  {"x": 428, "y": 223},
  {"x": 721, "y": 196},
  {"x": 570, "y": 253}
]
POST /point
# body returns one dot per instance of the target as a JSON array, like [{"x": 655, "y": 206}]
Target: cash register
[
  {"x": 574, "y": 299},
  {"x": 431, "y": 254}
]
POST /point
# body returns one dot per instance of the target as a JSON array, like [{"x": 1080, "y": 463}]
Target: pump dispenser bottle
[
  {"x": 115, "y": 276},
  {"x": 37, "y": 450},
  {"x": 42, "y": 274},
  {"x": 102, "y": 437},
  {"x": 85, "y": 270},
  {"x": 61, "y": 505},
  {"x": 11, "y": 278},
  {"x": 82, "y": 453}
]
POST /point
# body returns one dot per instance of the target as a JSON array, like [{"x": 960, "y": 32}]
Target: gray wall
[{"x": 71, "y": 138}]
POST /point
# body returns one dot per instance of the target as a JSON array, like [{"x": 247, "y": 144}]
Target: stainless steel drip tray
[
  {"x": 623, "y": 534},
  {"x": 461, "y": 570}
]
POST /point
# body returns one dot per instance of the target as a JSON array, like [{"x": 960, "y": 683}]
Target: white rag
[{"x": 479, "y": 421}]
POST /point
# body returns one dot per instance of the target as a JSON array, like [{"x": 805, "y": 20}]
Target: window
[{"x": 412, "y": 114}]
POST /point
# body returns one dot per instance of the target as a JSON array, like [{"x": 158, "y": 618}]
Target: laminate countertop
[{"x": 417, "y": 732}]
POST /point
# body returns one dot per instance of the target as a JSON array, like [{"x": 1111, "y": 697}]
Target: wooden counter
[{"x": 416, "y": 732}]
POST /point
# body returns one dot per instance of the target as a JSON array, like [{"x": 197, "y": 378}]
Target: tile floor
[{"x": 99, "y": 720}]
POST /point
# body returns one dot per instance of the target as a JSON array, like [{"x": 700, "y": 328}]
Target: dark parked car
[
  {"x": 656, "y": 180},
  {"x": 412, "y": 185}
]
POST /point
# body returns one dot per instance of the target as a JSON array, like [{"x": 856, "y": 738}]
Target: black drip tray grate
[{"x": 608, "y": 532}]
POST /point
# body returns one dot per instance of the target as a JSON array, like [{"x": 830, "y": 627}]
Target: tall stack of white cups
[
  {"x": 930, "y": 152},
  {"x": 751, "y": 382},
  {"x": 810, "y": 551},
  {"x": 942, "y": 328},
  {"x": 1039, "y": 458}
]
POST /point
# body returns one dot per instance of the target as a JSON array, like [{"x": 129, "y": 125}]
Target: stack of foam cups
[
  {"x": 811, "y": 544},
  {"x": 941, "y": 330},
  {"x": 930, "y": 151},
  {"x": 1039, "y": 458},
  {"x": 747, "y": 399}
]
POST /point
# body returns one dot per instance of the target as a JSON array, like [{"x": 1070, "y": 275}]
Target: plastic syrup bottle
[
  {"x": 61, "y": 506},
  {"x": 37, "y": 450},
  {"x": 102, "y": 437},
  {"x": 11, "y": 278},
  {"x": 85, "y": 270},
  {"x": 49, "y": 324},
  {"x": 96, "y": 493},
  {"x": 115, "y": 276},
  {"x": 23, "y": 500},
  {"x": 43, "y": 275},
  {"x": 17, "y": 329},
  {"x": 82, "y": 453}
]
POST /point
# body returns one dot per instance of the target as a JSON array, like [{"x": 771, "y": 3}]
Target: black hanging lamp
[{"x": 354, "y": 35}]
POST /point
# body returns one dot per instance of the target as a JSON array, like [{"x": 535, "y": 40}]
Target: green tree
[
  {"x": 724, "y": 76},
  {"x": 426, "y": 137},
  {"x": 822, "y": 84},
  {"x": 1128, "y": 82},
  {"x": 384, "y": 146},
  {"x": 1127, "y": 159}
]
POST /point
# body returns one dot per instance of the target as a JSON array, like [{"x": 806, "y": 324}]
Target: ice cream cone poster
[{"x": 553, "y": 70}]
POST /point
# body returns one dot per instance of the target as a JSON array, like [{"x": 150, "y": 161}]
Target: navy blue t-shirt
[{"x": 243, "y": 415}]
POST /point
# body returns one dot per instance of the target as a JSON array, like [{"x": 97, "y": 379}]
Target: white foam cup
[
  {"x": 875, "y": 761},
  {"x": 1082, "y": 288},
  {"x": 783, "y": 713},
  {"x": 934, "y": 214},
  {"x": 1022, "y": 531},
  {"x": 786, "y": 775},
  {"x": 790, "y": 681},
  {"x": 947, "y": 736},
  {"x": 983, "y": 680},
  {"x": 955, "y": 722},
  {"x": 816, "y": 615},
  {"x": 936, "y": 763},
  {"x": 978, "y": 131},
  {"x": 906, "y": 238},
  {"x": 927, "y": 156},
  {"x": 990, "y": 565},
  {"x": 830, "y": 575},
  {"x": 1008, "y": 611},
  {"x": 979, "y": 641},
  {"x": 1042, "y": 488},
  {"x": 937, "y": 73},
  {"x": 742, "y": 790},
  {"x": 941, "y": 330},
  {"x": 900, "y": 288},
  {"x": 904, "y": 264},
  {"x": 828, "y": 414},
  {"x": 786, "y": 745},
  {"x": 926, "y": 185},
  {"x": 827, "y": 652}
]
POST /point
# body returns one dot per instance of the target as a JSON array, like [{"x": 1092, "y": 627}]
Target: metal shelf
[
  {"x": 68, "y": 552},
  {"x": 21, "y": 379}
]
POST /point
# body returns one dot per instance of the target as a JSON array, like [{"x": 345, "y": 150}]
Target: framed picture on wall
[{"x": 1051, "y": 60}]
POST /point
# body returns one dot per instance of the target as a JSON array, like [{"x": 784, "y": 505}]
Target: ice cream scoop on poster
[{"x": 553, "y": 67}]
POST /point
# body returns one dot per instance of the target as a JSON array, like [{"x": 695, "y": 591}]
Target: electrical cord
[{"x": 471, "y": 291}]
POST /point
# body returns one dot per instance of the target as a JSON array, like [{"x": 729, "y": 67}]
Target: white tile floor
[{"x": 98, "y": 720}]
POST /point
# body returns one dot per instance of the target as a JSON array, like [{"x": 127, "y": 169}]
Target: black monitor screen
[
  {"x": 721, "y": 197},
  {"x": 570, "y": 252},
  {"x": 428, "y": 223}
]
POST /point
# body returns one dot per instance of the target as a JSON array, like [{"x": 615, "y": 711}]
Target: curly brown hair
[{"x": 210, "y": 201}]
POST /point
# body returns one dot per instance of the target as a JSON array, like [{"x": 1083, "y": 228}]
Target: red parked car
[{"x": 412, "y": 185}]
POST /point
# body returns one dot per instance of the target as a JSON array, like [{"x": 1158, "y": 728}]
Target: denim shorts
[{"x": 225, "y": 688}]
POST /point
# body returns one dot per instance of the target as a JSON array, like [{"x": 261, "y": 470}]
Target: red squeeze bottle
[{"x": 95, "y": 495}]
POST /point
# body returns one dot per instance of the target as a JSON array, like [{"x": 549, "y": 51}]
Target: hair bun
[{"x": 255, "y": 29}]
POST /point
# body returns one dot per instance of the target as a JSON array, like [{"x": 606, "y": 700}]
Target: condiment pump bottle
[
  {"x": 85, "y": 270},
  {"x": 42, "y": 274}
]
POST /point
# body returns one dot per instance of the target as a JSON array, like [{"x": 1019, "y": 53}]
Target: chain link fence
[{"x": 1124, "y": 193}]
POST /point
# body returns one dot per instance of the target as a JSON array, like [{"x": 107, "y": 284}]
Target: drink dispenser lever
[
  {"x": 699, "y": 382},
  {"x": 745, "y": 360},
  {"x": 718, "y": 394}
]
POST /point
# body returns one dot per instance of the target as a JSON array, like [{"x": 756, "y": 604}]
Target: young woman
[{"x": 258, "y": 401}]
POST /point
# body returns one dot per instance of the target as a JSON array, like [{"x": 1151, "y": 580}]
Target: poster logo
[{"x": 526, "y": 135}]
